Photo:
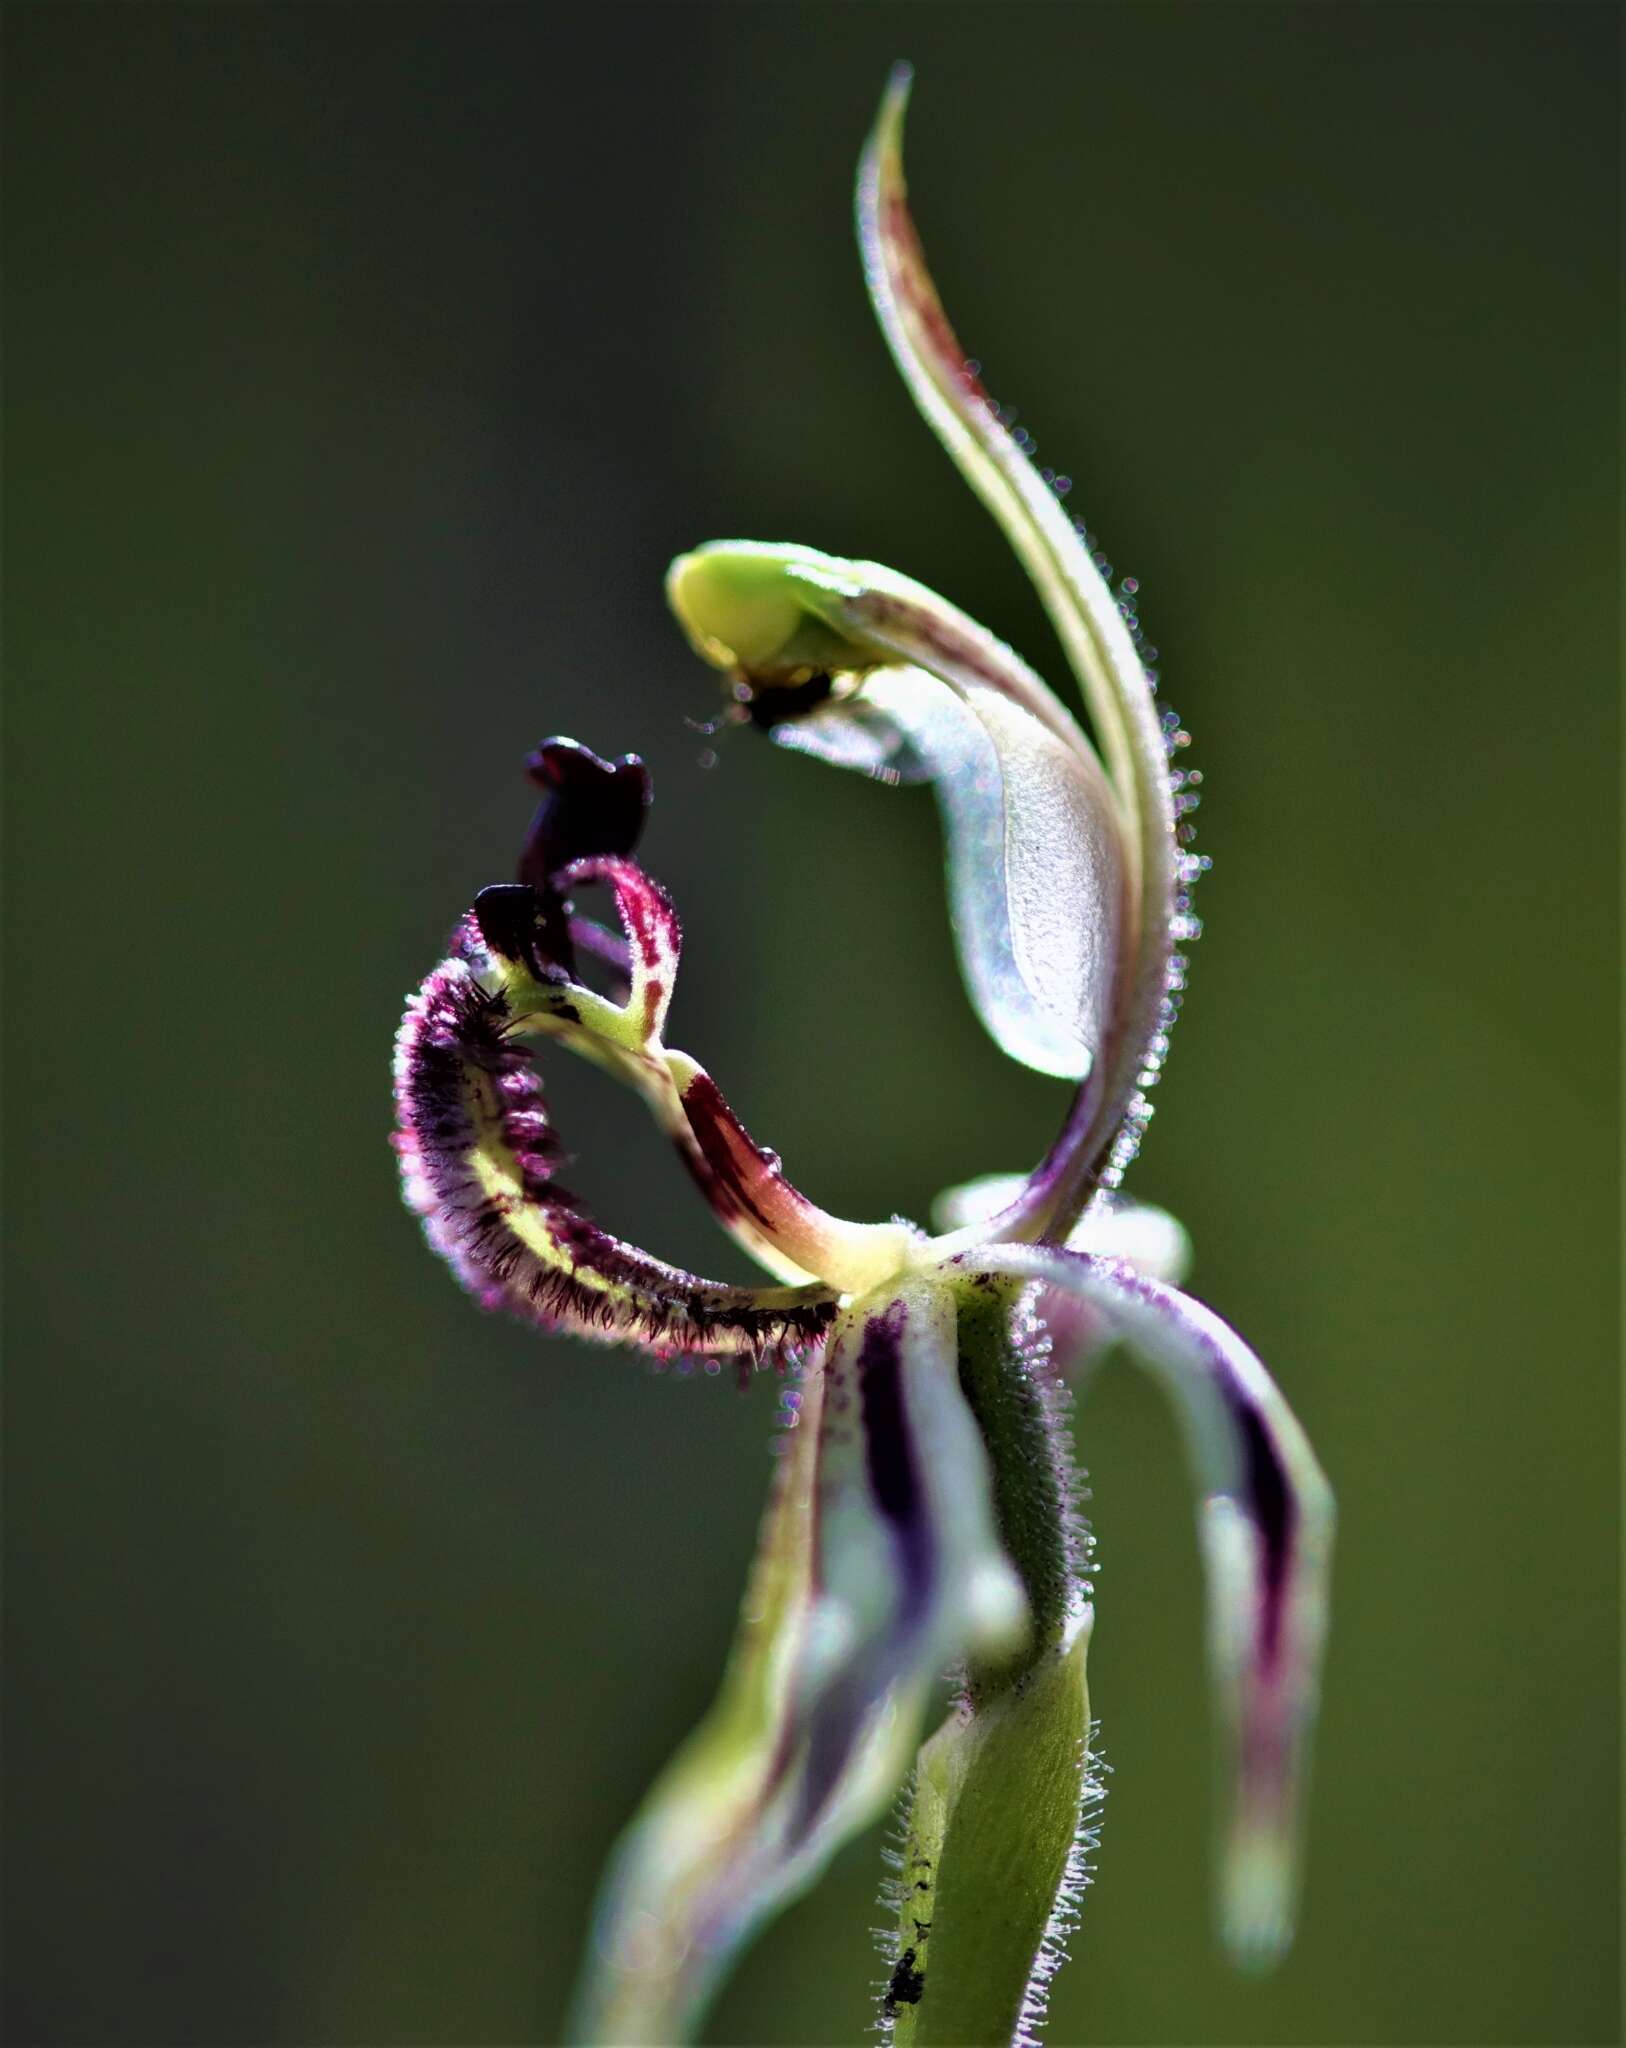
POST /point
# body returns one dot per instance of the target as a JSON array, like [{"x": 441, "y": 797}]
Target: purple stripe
[
  {"x": 1270, "y": 1499},
  {"x": 889, "y": 1456},
  {"x": 893, "y": 1472}
]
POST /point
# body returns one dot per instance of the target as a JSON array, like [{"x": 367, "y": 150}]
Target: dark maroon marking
[
  {"x": 718, "y": 1197},
  {"x": 910, "y": 280},
  {"x": 719, "y": 1134},
  {"x": 590, "y": 807},
  {"x": 777, "y": 704},
  {"x": 1271, "y": 1501}
]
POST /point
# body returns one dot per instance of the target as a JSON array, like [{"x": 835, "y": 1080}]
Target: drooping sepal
[
  {"x": 692, "y": 1877},
  {"x": 1265, "y": 1524},
  {"x": 911, "y": 1569},
  {"x": 946, "y": 387},
  {"x": 880, "y": 1564}
]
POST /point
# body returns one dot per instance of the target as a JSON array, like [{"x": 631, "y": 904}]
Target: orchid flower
[{"x": 923, "y": 1516}]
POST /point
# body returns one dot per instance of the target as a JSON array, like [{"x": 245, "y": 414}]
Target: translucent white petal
[
  {"x": 1032, "y": 849},
  {"x": 1112, "y": 1226}
]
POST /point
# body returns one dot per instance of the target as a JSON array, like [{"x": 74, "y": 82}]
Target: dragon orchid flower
[{"x": 923, "y": 1512}]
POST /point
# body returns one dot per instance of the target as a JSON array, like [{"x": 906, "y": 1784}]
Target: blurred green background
[{"x": 366, "y": 365}]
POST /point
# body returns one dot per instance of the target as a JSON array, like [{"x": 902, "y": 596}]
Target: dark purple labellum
[{"x": 589, "y": 808}]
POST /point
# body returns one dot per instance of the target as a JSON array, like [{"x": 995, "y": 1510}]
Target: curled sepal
[
  {"x": 992, "y": 1862},
  {"x": 481, "y": 1163},
  {"x": 916, "y": 691},
  {"x": 1265, "y": 1525},
  {"x": 879, "y": 1564}
]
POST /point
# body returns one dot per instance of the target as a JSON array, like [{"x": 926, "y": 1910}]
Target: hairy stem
[{"x": 991, "y": 1858}]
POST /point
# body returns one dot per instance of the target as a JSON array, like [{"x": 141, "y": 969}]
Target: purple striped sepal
[
  {"x": 879, "y": 1564},
  {"x": 1265, "y": 1524}
]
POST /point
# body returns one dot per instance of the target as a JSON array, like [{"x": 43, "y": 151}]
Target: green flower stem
[{"x": 990, "y": 1859}]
